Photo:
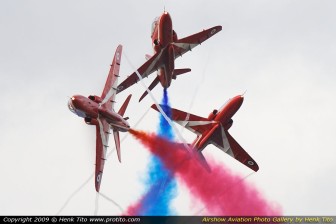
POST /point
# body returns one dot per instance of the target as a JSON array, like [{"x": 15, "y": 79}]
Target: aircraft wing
[
  {"x": 102, "y": 137},
  {"x": 145, "y": 70},
  {"x": 190, "y": 121},
  {"x": 223, "y": 140},
  {"x": 183, "y": 45},
  {"x": 109, "y": 92}
]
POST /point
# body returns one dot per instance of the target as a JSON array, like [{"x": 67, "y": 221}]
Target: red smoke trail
[
  {"x": 133, "y": 210},
  {"x": 222, "y": 192}
]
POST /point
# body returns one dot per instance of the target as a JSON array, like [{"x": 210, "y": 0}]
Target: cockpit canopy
[
  {"x": 213, "y": 114},
  {"x": 155, "y": 22},
  {"x": 70, "y": 105},
  {"x": 222, "y": 107}
]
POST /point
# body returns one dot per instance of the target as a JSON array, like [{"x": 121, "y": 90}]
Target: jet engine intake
[
  {"x": 228, "y": 124},
  {"x": 174, "y": 36},
  {"x": 95, "y": 98},
  {"x": 90, "y": 121}
]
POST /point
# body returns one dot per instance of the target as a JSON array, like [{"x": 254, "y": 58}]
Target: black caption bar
[{"x": 170, "y": 219}]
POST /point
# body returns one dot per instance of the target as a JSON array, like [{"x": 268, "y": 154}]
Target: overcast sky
[{"x": 282, "y": 52}]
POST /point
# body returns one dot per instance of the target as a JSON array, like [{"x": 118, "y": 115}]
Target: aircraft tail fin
[
  {"x": 198, "y": 156},
  {"x": 122, "y": 109},
  {"x": 152, "y": 85},
  {"x": 202, "y": 161},
  {"x": 180, "y": 72}
]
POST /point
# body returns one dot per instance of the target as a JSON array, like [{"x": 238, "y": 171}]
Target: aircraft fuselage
[
  {"x": 91, "y": 110},
  {"x": 222, "y": 118},
  {"x": 229, "y": 109},
  {"x": 162, "y": 37}
]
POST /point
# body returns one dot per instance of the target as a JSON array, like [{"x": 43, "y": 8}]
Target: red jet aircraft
[
  {"x": 167, "y": 47},
  {"x": 214, "y": 130},
  {"x": 99, "y": 111}
]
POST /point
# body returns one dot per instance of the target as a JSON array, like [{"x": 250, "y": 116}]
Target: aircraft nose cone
[
  {"x": 241, "y": 99},
  {"x": 166, "y": 16},
  {"x": 73, "y": 101},
  {"x": 237, "y": 101},
  {"x": 71, "y": 105}
]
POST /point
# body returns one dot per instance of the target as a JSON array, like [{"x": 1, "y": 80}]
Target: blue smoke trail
[
  {"x": 165, "y": 130},
  {"x": 160, "y": 180}
]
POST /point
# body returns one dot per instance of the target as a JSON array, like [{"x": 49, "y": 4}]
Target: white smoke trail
[
  {"x": 113, "y": 202},
  {"x": 74, "y": 193},
  {"x": 96, "y": 204},
  {"x": 158, "y": 105},
  {"x": 91, "y": 176}
]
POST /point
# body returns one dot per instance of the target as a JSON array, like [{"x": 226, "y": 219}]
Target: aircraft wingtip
[{"x": 97, "y": 187}]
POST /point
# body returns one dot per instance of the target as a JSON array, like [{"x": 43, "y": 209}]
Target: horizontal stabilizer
[
  {"x": 152, "y": 85},
  {"x": 122, "y": 109},
  {"x": 117, "y": 143},
  {"x": 180, "y": 72}
]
